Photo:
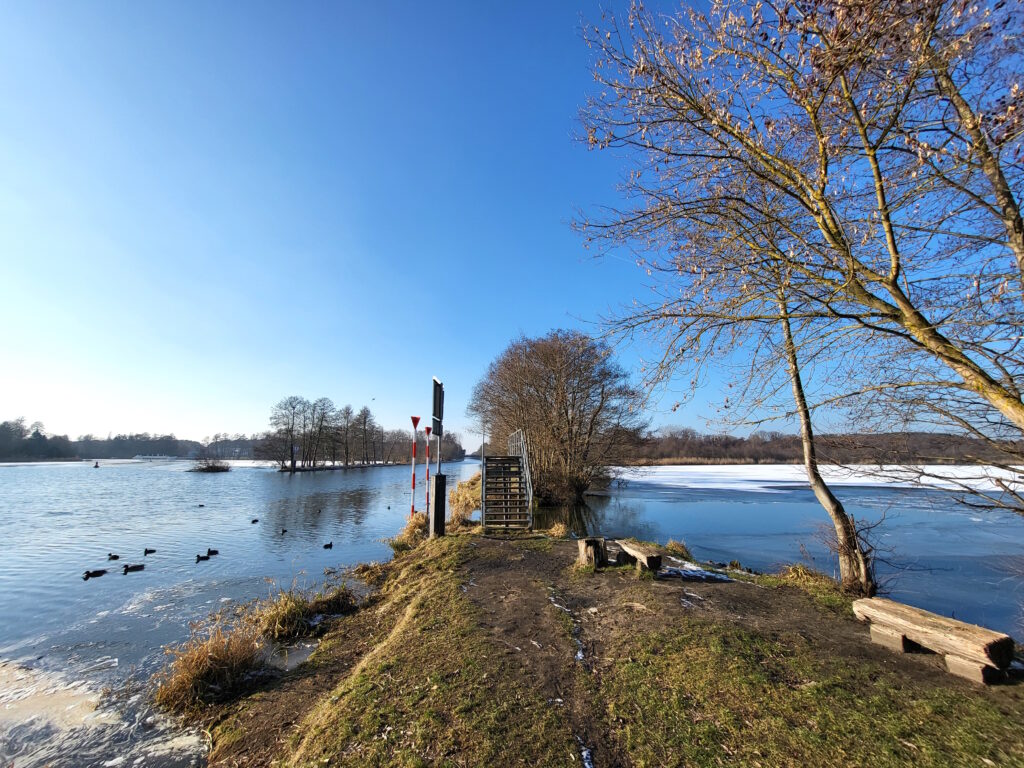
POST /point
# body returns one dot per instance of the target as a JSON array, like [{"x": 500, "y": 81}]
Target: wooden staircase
[{"x": 506, "y": 493}]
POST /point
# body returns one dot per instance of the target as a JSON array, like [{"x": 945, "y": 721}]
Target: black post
[{"x": 437, "y": 506}]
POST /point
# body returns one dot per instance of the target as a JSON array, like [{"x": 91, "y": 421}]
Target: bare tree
[
  {"x": 344, "y": 431},
  {"x": 286, "y": 419},
  {"x": 572, "y": 400},
  {"x": 869, "y": 153},
  {"x": 364, "y": 428}
]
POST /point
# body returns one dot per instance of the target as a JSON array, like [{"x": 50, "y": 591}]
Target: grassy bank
[{"x": 479, "y": 651}]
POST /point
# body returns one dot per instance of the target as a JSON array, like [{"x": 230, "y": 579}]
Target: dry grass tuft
[
  {"x": 210, "y": 666},
  {"x": 679, "y": 549},
  {"x": 412, "y": 535},
  {"x": 289, "y": 614},
  {"x": 800, "y": 574},
  {"x": 216, "y": 661},
  {"x": 825, "y": 591},
  {"x": 558, "y": 531},
  {"x": 372, "y": 574},
  {"x": 463, "y": 500}
]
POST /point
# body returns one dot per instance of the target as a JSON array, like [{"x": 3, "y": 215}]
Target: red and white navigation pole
[
  {"x": 427, "y": 481},
  {"x": 412, "y": 506}
]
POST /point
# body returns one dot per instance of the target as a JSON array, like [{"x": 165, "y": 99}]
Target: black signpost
[{"x": 436, "y": 510}]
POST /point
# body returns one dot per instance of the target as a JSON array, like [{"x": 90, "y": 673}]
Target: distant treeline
[
  {"x": 31, "y": 444},
  {"x": 687, "y": 446},
  {"x": 308, "y": 434},
  {"x": 19, "y": 442},
  {"x": 320, "y": 435}
]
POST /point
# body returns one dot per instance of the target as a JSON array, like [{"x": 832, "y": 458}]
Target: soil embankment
[{"x": 482, "y": 651}]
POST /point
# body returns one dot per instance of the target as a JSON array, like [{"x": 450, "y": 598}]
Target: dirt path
[{"x": 607, "y": 668}]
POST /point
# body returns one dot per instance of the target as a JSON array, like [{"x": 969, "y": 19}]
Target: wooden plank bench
[
  {"x": 646, "y": 558},
  {"x": 973, "y": 652}
]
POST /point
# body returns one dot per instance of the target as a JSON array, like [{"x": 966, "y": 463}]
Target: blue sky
[{"x": 204, "y": 209}]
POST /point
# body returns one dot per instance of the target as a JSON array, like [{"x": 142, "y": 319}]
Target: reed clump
[
  {"x": 219, "y": 658},
  {"x": 558, "y": 531},
  {"x": 411, "y": 536},
  {"x": 212, "y": 665},
  {"x": 463, "y": 500},
  {"x": 825, "y": 590},
  {"x": 373, "y": 574},
  {"x": 679, "y": 549},
  {"x": 290, "y": 613}
]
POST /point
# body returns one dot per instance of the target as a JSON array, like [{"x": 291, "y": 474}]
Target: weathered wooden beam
[
  {"x": 972, "y": 670},
  {"x": 645, "y": 557},
  {"x": 966, "y": 642},
  {"x": 894, "y": 641},
  {"x": 592, "y": 552}
]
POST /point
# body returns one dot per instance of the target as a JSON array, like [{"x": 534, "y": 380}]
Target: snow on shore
[{"x": 767, "y": 478}]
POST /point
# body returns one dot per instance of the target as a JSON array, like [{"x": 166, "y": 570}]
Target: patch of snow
[
  {"x": 766, "y": 478},
  {"x": 586, "y": 754},
  {"x": 693, "y": 574}
]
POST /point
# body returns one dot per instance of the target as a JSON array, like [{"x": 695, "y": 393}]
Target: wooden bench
[
  {"x": 646, "y": 558},
  {"x": 973, "y": 652}
]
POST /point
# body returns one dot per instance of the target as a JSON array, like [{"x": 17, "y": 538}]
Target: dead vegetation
[
  {"x": 473, "y": 644},
  {"x": 679, "y": 549},
  {"x": 411, "y": 536},
  {"x": 290, "y": 614},
  {"x": 463, "y": 500},
  {"x": 222, "y": 655},
  {"x": 372, "y": 574},
  {"x": 558, "y": 531},
  {"x": 212, "y": 665}
]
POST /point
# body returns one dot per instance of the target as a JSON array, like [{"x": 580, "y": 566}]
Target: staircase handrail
[{"x": 517, "y": 446}]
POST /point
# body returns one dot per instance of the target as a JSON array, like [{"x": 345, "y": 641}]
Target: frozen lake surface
[{"x": 935, "y": 553}]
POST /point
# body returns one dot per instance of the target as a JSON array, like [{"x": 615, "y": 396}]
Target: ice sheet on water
[{"x": 766, "y": 478}]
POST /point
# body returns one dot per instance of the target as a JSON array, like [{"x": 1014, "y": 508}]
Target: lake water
[
  {"x": 932, "y": 552},
  {"x": 62, "y": 639},
  {"x": 75, "y": 636}
]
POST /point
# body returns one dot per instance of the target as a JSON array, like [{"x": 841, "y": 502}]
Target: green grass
[
  {"x": 826, "y": 592},
  {"x": 705, "y": 694},
  {"x": 434, "y": 691},
  {"x": 433, "y": 683}
]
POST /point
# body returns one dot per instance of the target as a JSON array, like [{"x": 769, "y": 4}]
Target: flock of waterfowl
[{"x": 135, "y": 567}]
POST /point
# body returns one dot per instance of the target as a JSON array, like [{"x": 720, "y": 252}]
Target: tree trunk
[{"x": 854, "y": 563}]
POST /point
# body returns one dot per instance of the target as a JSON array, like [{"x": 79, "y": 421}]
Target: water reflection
[
  {"x": 934, "y": 553},
  {"x": 612, "y": 516}
]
